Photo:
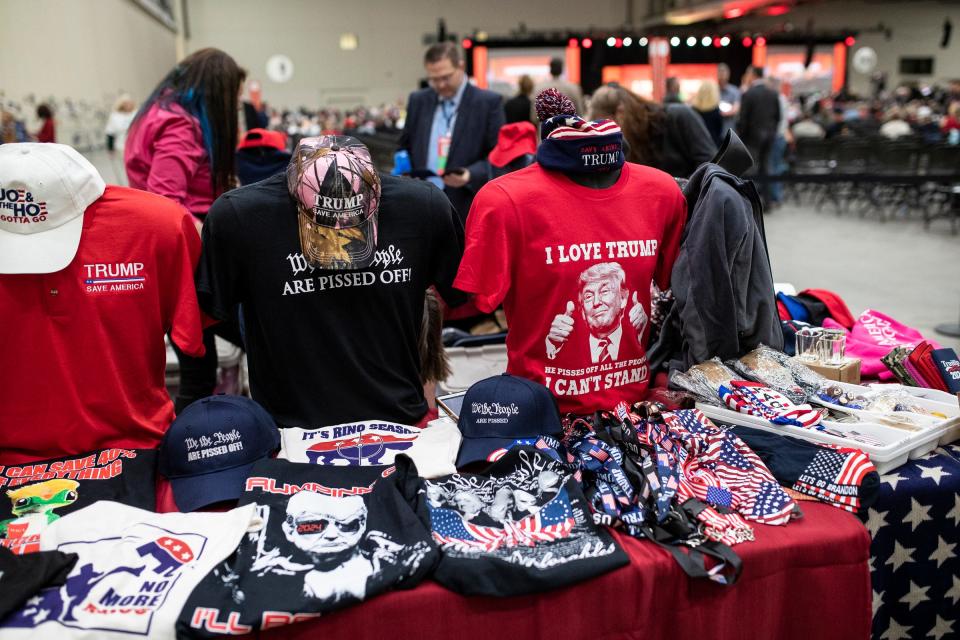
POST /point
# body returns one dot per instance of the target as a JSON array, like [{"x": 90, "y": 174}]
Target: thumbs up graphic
[
  {"x": 638, "y": 315},
  {"x": 560, "y": 330}
]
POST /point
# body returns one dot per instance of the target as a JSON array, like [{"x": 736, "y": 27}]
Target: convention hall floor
[{"x": 895, "y": 267}]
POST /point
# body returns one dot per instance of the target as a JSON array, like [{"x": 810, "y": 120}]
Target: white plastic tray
[
  {"x": 897, "y": 447},
  {"x": 938, "y": 431}
]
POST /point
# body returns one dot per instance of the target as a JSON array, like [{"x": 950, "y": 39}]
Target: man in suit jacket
[
  {"x": 451, "y": 127},
  {"x": 759, "y": 119}
]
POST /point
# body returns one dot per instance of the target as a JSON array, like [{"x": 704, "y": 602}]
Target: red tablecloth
[{"x": 809, "y": 579}]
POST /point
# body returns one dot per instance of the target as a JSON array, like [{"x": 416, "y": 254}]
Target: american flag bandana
[
  {"x": 835, "y": 476},
  {"x": 722, "y": 470},
  {"x": 755, "y": 399},
  {"x": 694, "y": 481}
]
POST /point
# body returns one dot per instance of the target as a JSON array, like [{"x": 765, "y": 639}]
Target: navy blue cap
[
  {"x": 209, "y": 449},
  {"x": 502, "y": 411}
]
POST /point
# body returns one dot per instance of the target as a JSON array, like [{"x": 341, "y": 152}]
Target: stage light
[
  {"x": 778, "y": 10},
  {"x": 716, "y": 42},
  {"x": 467, "y": 43},
  {"x": 850, "y": 41},
  {"x": 747, "y": 41},
  {"x": 691, "y": 41},
  {"x": 706, "y": 40},
  {"x": 643, "y": 42},
  {"x": 627, "y": 41},
  {"x": 587, "y": 43},
  {"x": 674, "y": 41},
  {"x": 572, "y": 43},
  {"x": 611, "y": 41},
  {"x": 725, "y": 41},
  {"x": 761, "y": 41},
  {"x": 618, "y": 43},
  {"x": 732, "y": 13}
]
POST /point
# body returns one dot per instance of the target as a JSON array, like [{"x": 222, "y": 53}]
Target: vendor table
[{"x": 809, "y": 579}]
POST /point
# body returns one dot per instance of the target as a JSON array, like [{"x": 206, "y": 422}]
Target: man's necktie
[{"x": 604, "y": 344}]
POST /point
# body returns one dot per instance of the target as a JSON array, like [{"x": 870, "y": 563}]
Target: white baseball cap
[{"x": 44, "y": 190}]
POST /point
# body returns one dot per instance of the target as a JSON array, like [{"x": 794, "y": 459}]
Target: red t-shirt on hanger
[{"x": 573, "y": 268}]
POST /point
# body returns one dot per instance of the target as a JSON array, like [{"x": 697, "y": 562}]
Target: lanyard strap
[{"x": 448, "y": 117}]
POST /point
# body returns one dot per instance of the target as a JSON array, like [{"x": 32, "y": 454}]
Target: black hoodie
[{"x": 722, "y": 282}]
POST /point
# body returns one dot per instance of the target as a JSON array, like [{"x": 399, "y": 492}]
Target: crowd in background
[{"x": 659, "y": 134}]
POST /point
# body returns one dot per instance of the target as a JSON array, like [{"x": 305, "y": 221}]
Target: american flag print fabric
[
  {"x": 720, "y": 469},
  {"x": 834, "y": 476}
]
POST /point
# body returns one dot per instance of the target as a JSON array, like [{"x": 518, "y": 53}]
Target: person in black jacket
[
  {"x": 451, "y": 127},
  {"x": 518, "y": 108},
  {"x": 671, "y": 138},
  {"x": 759, "y": 119}
]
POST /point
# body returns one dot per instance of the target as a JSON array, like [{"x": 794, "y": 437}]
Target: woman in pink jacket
[
  {"x": 182, "y": 145},
  {"x": 183, "y": 141}
]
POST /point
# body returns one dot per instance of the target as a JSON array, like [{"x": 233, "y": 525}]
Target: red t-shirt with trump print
[
  {"x": 573, "y": 267},
  {"x": 83, "y": 359}
]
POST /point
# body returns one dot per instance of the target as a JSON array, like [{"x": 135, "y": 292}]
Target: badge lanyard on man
[{"x": 443, "y": 142}]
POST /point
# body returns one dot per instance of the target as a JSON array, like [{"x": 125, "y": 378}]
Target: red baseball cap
[
  {"x": 514, "y": 140},
  {"x": 264, "y": 138}
]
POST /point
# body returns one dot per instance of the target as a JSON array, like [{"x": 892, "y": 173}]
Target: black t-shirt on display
[
  {"x": 522, "y": 527},
  {"x": 334, "y": 536},
  {"x": 327, "y": 347}
]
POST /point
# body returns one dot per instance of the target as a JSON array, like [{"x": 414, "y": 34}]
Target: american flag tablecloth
[{"x": 915, "y": 554}]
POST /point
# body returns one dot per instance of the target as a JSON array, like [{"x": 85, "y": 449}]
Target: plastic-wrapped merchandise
[
  {"x": 698, "y": 390},
  {"x": 897, "y": 400},
  {"x": 711, "y": 375},
  {"x": 769, "y": 366},
  {"x": 808, "y": 379}
]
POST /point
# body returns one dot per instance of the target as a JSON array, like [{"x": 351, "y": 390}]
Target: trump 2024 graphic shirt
[{"x": 574, "y": 268}]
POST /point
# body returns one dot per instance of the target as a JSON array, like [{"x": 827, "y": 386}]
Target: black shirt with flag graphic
[
  {"x": 522, "y": 527},
  {"x": 333, "y": 537}
]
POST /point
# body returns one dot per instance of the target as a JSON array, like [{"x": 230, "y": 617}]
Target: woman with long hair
[
  {"x": 671, "y": 138},
  {"x": 182, "y": 145},
  {"x": 182, "y": 142},
  {"x": 706, "y": 102}
]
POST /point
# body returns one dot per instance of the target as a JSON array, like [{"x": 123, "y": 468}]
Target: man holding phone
[{"x": 451, "y": 127}]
